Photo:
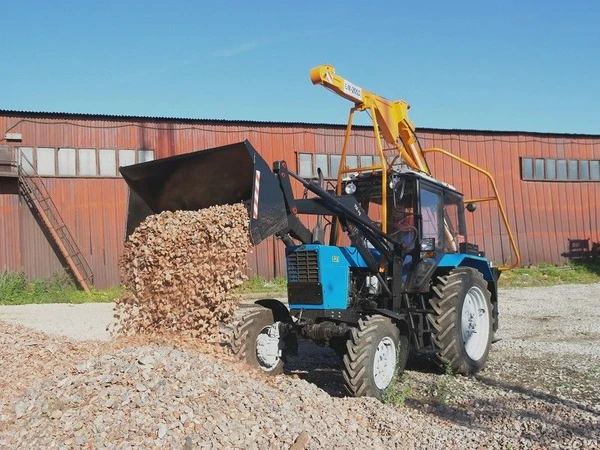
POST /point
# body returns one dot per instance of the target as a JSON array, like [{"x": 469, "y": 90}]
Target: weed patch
[
  {"x": 16, "y": 289},
  {"x": 549, "y": 275},
  {"x": 398, "y": 392},
  {"x": 260, "y": 284}
]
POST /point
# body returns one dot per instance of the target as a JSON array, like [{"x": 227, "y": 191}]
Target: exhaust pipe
[{"x": 222, "y": 175}]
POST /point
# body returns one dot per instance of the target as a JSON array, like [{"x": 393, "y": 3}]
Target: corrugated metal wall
[
  {"x": 543, "y": 214},
  {"x": 10, "y": 232}
]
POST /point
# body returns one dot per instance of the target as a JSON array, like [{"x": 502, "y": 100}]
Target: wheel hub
[
  {"x": 268, "y": 347},
  {"x": 384, "y": 363},
  {"x": 475, "y": 323}
]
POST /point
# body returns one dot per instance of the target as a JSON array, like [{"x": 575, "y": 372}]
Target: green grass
[
  {"x": 548, "y": 275},
  {"x": 16, "y": 289},
  {"x": 542, "y": 275},
  {"x": 261, "y": 285},
  {"x": 398, "y": 392},
  {"x": 446, "y": 387}
]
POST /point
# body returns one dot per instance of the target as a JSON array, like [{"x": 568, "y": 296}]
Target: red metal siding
[
  {"x": 10, "y": 232},
  {"x": 543, "y": 215}
]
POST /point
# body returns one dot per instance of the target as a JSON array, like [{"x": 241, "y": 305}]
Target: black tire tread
[
  {"x": 359, "y": 349},
  {"x": 244, "y": 337},
  {"x": 445, "y": 303}
]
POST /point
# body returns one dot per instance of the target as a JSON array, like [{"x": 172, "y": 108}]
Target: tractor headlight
[
  {"x": 427, "y": 244},
  {"x": 350, "y": 188}
]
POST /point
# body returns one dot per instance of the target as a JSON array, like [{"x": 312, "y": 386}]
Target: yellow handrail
[{"x": 496, "y": 197}]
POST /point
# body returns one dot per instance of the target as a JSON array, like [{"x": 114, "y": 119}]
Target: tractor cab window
[
  {"x": 401, "y": 215},
  {"x": 431, "y": 203},
  {"x": 454, "y": 222}
]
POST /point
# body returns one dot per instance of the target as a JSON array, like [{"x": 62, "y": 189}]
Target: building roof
[{"x": 248, "y": 123}]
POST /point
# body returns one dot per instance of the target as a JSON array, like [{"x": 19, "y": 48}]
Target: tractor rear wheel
[
  {"x": 462, "y": 320},
  {"x": 257, "y": 341},
  {"x": 375, "y": 353}
]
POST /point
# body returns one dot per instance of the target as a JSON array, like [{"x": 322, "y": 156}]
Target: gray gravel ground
[
  {"x": 87, "y": 321},
  {"x": 540, "y": 389}
]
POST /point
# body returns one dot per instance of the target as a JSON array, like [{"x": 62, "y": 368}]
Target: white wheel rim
[
  {"x": 475, "y": 323},
  {"x": 384, "y": 364},
  {"x": 268, "y": 347}
]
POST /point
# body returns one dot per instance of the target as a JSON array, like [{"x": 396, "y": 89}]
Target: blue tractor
[{"x": 394, "y": 276}]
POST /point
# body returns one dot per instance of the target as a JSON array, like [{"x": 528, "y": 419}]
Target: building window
[
  {"x": 334, "y": 163},
  {"x": 67, "y": 166},
  {"x": 321, "y": 162},
  {"x": 145, "y": 155},
  {"x": 26, "y": 160},
  {"x": 539, "y": 169},
  {"x": 584, "y": 170},
  {"x": 46, "y": 162},
  {"x": 108, "y": 162},
  {"x": 562, "y": 169},
  {"x": 305, "y": 168},
  {"x": 527, "y": 168},
  {"x": 308, "y": 163},
  {"x": 126, "y": 157},
  {"x": 82, "y": 162},
  {"x": 595, "y": 170},
  {"x": 366, "y": 161},
  {"x": 542, "y": 169},
  {"x": 573, "y": 170},
  {"x": 351, "y": 161},
  {"x": 551, "y": 169},
  {"x": 87, "y": 162}
]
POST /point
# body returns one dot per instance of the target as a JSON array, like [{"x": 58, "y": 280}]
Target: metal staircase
[{"x": 35, "y": 193}]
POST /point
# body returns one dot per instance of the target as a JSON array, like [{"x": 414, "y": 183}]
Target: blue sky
[{"x": 496, "y": 65}]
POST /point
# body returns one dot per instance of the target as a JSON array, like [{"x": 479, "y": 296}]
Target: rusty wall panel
[
  {"x": 10, "y": 232},
  {"x": 543, "y": 215},
  {"x": 94, "y": 212}
]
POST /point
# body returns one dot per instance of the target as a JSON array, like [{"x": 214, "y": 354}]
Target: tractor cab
[
  {"x": 422, "y": 213},
  {"x": 426, "y": 211},
  {"x": 424, "y": 216}
]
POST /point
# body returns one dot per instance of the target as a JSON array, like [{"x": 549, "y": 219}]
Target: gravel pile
[
  {"x": 158, "y": 396},
  {"x": 180, "y": 268},
  {"x": 540, "y": 390},
  {"x": 145, "y": 393}
]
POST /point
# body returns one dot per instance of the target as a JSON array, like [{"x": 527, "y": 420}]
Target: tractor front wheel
[
  {"x": 462, "y": 320},
  {"x": 257, "y": 341},
  {"x": 376, "y": 353}
]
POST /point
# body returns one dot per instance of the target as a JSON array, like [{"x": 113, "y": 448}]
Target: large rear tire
[
  {"x": 257, "y": 341},
  {"x": 376, "y": 353},
  {"x": 462, "y": 321}
]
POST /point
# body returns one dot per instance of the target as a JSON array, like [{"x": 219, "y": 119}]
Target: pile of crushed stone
[{"x": 181, "y": 268}]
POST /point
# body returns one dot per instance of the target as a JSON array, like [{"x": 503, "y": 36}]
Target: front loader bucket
[{"x": 222, "y": 175}]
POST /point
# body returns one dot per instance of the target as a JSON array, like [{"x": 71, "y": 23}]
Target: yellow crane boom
[
  {"x": 390, "y": 116},
  {"x": 391, "y": 123}
]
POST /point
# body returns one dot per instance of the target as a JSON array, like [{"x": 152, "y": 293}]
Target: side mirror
[{"x": 471, "y": 206}]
